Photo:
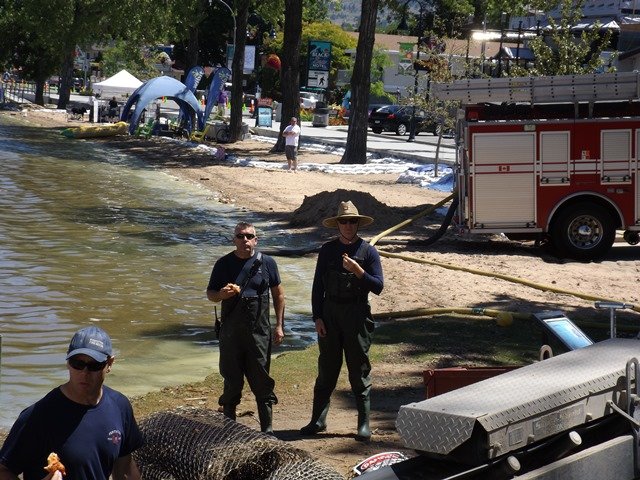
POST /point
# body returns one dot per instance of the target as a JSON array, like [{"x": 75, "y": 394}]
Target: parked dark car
[{"x": 397, "y": 118}]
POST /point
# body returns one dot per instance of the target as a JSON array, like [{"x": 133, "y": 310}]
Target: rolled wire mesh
[{"x": 202, "y": 444}]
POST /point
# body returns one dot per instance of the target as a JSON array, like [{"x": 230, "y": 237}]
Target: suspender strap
[{"x": 249, "y": 269}]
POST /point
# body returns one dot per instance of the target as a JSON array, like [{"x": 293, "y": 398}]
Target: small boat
[{"x": 119, "y": 128}]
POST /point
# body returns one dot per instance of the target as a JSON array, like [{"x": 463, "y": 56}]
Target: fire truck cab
[{"x": 550, "y": 158}]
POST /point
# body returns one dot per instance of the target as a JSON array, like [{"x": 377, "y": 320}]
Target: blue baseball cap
[{"x": 92, "y": 341}]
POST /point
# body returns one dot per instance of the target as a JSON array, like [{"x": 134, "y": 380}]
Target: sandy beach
[{"x": 458, "y": 271}]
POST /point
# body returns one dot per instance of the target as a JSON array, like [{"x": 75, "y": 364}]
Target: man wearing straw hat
[{"x": 348, "y": 268}]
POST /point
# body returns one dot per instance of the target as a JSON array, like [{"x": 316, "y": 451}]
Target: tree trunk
[
  {"x": 66, "y": 80},
  {"x": 39, "y": 99},
  {"x": 237, "y": 94},
  {"x": 290, "y": 69},
  {"x": 193, "y": 45},
  {"x": 356, "y": 148}
]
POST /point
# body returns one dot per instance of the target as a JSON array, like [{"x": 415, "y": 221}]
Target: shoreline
[
  {"x": 435, "y": 277},
  {"x": 189, "y": 164}
]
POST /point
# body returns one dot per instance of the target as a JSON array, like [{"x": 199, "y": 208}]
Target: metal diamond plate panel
[{"x": 442, "y": 423}]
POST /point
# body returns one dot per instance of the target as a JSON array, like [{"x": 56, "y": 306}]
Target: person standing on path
[
  {"x": 88, "y": 425},
  {"x": 242, "y": 280},
  {"x": 348, "y": 268},
  {"x": 291, "y": 135}
]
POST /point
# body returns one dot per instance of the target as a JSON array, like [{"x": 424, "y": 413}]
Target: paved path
[{"x": 386, "y": 144}]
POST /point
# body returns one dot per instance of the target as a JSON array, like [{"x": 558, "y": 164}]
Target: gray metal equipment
[
  {"x": 491, "y": 418},
  {"x": 560, "y": 88},
  {"x": 612, "y": 307},
  {"x": 569, "y": 417}
]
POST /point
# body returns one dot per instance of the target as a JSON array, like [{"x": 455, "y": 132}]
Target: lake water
[{"x": 90, "y": 235}]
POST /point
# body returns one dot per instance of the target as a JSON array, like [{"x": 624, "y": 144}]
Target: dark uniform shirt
[
  {"x": 330, "y": 256},
  {"x": 88, "y": 439}
]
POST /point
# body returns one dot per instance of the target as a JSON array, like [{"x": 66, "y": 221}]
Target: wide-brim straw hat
[{"x": 347, "y": 210}]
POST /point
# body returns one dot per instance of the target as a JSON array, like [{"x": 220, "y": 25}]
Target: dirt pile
[{"x": 316, "y": 208}]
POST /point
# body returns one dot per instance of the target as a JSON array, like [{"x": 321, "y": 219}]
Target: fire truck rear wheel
[{"x": 583, "y": 232}]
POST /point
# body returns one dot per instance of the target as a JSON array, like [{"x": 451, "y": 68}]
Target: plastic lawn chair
[
  {"x": 145, "y": 130},
  {"x": 200, "y": 136}
]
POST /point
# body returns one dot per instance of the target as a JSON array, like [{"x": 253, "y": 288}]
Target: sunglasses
[
  {"x": 351, "y": 221},
  {"x": 78, "y": 364},
  {"x": 242, "y": 236}
]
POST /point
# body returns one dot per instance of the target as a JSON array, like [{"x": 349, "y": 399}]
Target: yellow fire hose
[
  {"x": 424, "y": 212},
  {"x": 503, "y": 318}
]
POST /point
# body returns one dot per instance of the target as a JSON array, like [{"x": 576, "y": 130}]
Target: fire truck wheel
[
  {"x": 583, "y": 232},
  {"x": 401, "y": 129}
]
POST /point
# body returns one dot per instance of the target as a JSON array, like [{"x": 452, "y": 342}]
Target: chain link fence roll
[{"x": 202, "y": 444}]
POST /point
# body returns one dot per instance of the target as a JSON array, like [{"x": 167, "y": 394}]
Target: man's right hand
[
  {"x": 320, "y": 328},
  {"x": 229, "y": 290}
]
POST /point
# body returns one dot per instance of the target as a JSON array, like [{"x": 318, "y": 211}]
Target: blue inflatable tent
[{"x": 156, "y": 88}]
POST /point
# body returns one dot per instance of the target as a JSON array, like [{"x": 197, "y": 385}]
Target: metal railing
[{"x": 16, "y": 91}]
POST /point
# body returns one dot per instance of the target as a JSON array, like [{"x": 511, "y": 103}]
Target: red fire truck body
[{"x": 561, "y": 165}]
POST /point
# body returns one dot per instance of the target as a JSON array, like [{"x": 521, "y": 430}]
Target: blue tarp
[{"x": 157, "y": 88}]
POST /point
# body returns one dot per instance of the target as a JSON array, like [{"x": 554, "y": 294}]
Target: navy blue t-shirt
[
  {"x": 88, "y": 439},
  {"x": 227, "y": 269}
]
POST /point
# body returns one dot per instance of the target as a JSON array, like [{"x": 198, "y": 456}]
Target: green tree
[
  {"x": 323, "y": 31},
  {"x": 454, "y": 16},
  {"x": 559, "y": 52},
  {"x": 492, "y": 9},
  {"x": 126, "y": 56},
  {"x": 43, "y": 48},
  {"x": 192, "y": 18},
  {"x": 35, "y": 50},
  {"x": 317, "y": 10}
]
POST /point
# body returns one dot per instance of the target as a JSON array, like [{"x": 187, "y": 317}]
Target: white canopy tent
[{"x": 121, "y": 85}]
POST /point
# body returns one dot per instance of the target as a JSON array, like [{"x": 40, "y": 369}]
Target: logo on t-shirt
[{"x": 115, "y": 437}]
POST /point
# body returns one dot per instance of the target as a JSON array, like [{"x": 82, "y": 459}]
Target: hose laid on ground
[
  {"x": 501, "y": 276},
  {"x": 507, "y": 278},
  {"x": 502, "y": 317},
  {"x": 441, "y": 231},
  {"x": 300, "y": 252},
  {"x": 424, "y": 212}
]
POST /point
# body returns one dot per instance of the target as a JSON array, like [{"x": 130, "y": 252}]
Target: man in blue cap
[{"x": 90, "y": 426}]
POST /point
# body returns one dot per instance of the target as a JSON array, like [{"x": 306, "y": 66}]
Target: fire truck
[{"x": 549, "y": 159}]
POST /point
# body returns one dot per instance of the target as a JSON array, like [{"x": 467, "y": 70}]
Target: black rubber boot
[
  {"x": 229, "y": 411},
  {"x": 265, "y": 414},
  {"x": 318, "y": 421},
  {"x": 364, "y": 433}
]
